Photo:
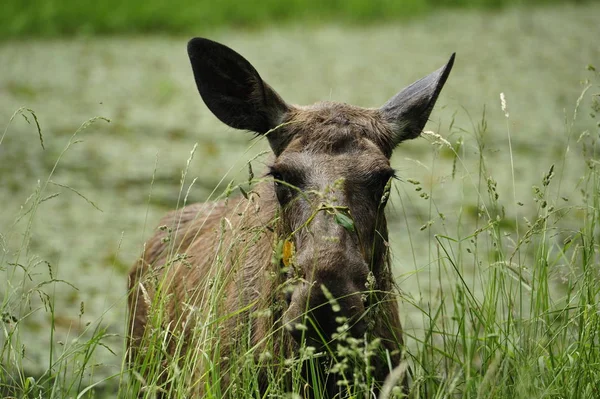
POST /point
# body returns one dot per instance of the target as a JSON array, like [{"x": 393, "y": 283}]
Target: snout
[{"x": 316, "y": 311}]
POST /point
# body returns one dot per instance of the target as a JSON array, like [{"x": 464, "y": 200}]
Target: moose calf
[{"x": 290, "y": 262}]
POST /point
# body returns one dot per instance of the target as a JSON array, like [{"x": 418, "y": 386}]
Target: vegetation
[
  {"x": 494, "y": 224},
  {"x": 60, "y": 17}
]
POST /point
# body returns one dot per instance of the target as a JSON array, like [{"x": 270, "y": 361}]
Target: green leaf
[
  {"x": 250, "y": 173},
  {"x": 345, "y": 221}
]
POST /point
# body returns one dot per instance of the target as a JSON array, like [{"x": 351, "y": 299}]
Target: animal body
[{"x": 300, "y": 259}]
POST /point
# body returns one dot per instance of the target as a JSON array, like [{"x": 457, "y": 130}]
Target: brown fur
[
  {"x": 217, "y": 265},
  {"x": 197, "y": 229}
]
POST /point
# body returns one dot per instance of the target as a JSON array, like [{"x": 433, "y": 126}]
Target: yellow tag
[{"x": 288, "y": 252}]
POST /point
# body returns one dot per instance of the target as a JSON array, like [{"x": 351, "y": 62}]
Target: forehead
[{"x": 336, "y": 129}]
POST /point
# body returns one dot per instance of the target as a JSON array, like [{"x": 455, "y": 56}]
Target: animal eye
[
  {"x": 277, "y": 178},
  {"x": 287, "y": 183},
  {"x": 282, "y": 189},
  {"x": 381, "y": 184}
]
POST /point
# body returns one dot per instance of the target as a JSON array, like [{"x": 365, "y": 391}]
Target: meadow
[{"x": 494, "y": 226}]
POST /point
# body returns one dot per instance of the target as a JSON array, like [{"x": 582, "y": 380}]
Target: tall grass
[
  {"x": 513, "y": 312},
  {"x": 528, "y": 327},
  {"x": 28, "y": 289}
]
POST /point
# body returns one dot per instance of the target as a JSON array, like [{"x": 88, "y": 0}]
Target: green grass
[
  {"x": 60, "y": 17},
  {"x": 498, "y": 299},
  {"x": 529, "y": 326}
]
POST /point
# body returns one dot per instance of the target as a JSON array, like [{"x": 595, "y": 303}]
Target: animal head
[{"x": 331, "y": 174}]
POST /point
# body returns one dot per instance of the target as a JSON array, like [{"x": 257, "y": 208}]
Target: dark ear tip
[
  {"x": 448, "y": 67},
  {"x": 199, "y": 45},
  {"x": 444, "y": 72},
  {"x": 451, "y": 61}
]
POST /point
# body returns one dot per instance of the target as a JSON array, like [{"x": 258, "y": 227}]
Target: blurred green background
[
  {"x": 70, "y": 61},
  {"x": 69, "y": 17}
]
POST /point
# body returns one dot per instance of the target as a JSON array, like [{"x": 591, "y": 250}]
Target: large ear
[
  {"x": 232, "y": 89},
  {"x": 409, "y": 110}
]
